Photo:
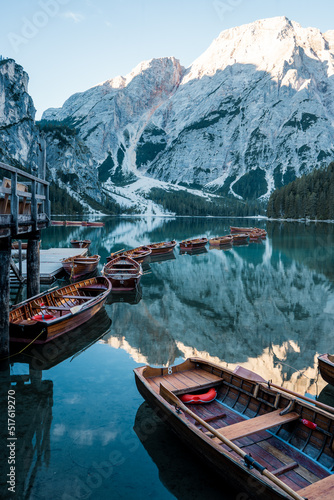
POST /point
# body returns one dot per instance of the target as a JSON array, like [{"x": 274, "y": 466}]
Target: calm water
[{"x": 83, "y": 431}]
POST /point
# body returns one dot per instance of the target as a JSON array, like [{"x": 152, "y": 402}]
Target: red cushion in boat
[{"x": 207, "y": 397}]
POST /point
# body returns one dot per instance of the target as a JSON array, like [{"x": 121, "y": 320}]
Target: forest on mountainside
[
  {"x": 308, "y": 197},
  {"x": 185, "y": 203}
]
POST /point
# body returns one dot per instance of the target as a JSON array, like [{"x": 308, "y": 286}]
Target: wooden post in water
[
  {"x": 5, "y": 254},
  {"x": 33, "y": 262}
]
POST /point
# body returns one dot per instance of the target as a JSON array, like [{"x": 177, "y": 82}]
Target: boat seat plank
[
  {"x": 180, "y": 384},
  {"x": 56, "y": 308},
  {"x": 83, "y": 297},
  {"x": 202, "y": 375},
  {"x": 321, "y": 490},
  {"x": 256, "y": 424}
]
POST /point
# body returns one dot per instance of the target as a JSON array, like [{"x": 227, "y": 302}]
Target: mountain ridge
[{"x": 254, "y": 110}]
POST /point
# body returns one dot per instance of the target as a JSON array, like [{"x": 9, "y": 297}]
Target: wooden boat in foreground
[
  {"x": 80, "y": 265},
  {"x": 268, "y": 442},
  {"x": 221, "y": 240},
  {"x": 48, "y": 315},
  {"x": 161, "y": 248},
  {"x": 326, "y": 367},
  {"x": 123, "y": 272},
  {"x": 80, "y": 243},
  {"x": 195, "y": 243}
]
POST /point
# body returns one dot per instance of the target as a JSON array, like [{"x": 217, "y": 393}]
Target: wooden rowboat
[
  {"x": 93, "y": 224},
  {"x": 54, "y": 313},
  {"x": 161, "y": 248},
  {"x": 195, "y": 243},
  {"x": 266, "y": 441},
  {"x": 80, "y": 243},
  {"x": 139, "y": 254},
  {"x": 57, "y": 223},
  {"x": 240, "y": 238},
  {"x": 73, "y": 223},
  {"x": 123, "y": 272},
  {"x": 235, "y": 229},
  {"x": 326, "y": 367},
  {"x": 80, "y": 266},
  {"x": 221, "y": 240}
]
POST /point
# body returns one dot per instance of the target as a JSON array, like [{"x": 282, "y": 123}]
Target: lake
[{"x": 83, "y": 430}]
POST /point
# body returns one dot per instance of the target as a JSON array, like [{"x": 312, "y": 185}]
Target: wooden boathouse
[{"x": 24, "y": 212}]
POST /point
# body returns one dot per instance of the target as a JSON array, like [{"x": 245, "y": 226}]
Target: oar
[
  {"x": 254, "y": 377},
  {"x": 170, "y": 397},
  {"x": 118, "y": 251}
]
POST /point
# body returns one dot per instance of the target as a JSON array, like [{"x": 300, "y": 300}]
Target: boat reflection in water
[
  {"x": 193, "y": 251},
  {"x": 33, "y": 399},
  {"x": 44, "y": 357},
  {"x": 130, "y": 297},
  {"x": 161, "y": 257},
  {"x": 185, "y": 477}
]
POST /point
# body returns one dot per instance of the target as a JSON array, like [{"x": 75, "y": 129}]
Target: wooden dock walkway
[{"x": 50, "y": 263}]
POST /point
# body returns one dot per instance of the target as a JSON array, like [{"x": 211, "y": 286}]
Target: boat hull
[
  {"x": 43, "y": 331},
  {"x": 80, "y": 243},
  {"x": 162, "y": 248},
  {"x": 223, "y": 241},
  {"x": 268, "y": 409},
  {"x": 77, "y": 267},
  {"x": 122, "y": 284},
  {"x": 78, "y": 305},
  {"x": 193, "y": 244},
  {"x": 123, "y": 273},
  {"x": 326, "y": 367}
]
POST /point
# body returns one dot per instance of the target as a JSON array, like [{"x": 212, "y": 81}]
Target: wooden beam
[
  {"x": 257, "y": 424},
  {"x": 5, "y": 256}
]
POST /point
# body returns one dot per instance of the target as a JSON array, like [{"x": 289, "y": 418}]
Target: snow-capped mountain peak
[{"x": 252, "y": 112}]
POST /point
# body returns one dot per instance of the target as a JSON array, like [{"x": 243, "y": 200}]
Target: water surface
[{"x": 83, "y": 430}]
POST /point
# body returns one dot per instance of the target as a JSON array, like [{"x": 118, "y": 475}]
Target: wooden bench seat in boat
[
  {"x": 184, "y": 382},
  {"x": 83, "y": 297},
  {"x": 321, "y": 490},
  {"x": 256, "y": 424}
]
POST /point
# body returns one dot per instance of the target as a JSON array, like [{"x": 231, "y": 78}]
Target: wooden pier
[
  {"x": 24, "y": 212},
  {"x": 50, "y": 264}
]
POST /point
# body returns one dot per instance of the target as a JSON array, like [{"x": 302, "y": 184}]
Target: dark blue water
[{"x": 83, "y": 431}]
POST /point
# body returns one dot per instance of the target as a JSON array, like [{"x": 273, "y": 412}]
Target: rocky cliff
[{"x": 18, "y": 134}]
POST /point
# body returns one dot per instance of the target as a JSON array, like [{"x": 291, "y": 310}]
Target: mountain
[
  {"x": 69, "y": 161},
  {"x": 18, "y": 134},
  {"x": 250, "y": 114}
]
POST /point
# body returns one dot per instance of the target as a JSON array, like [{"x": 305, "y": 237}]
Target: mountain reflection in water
[{"x": 268, "y": 306}]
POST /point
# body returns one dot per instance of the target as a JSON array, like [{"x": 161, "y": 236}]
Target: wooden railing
[{"x": 24, "y": 204}]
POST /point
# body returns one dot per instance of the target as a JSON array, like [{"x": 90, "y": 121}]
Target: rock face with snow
[
  {"x": 251, "y": 113},
  {"x": 70, "y": 165},
  {"x": 18, "y": 134}
]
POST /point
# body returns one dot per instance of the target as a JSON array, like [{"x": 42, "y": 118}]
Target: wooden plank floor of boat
[{"x": 188, "y": 380}]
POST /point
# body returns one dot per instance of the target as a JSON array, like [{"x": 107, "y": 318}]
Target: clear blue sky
[{"x": 67, "y": 46}]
